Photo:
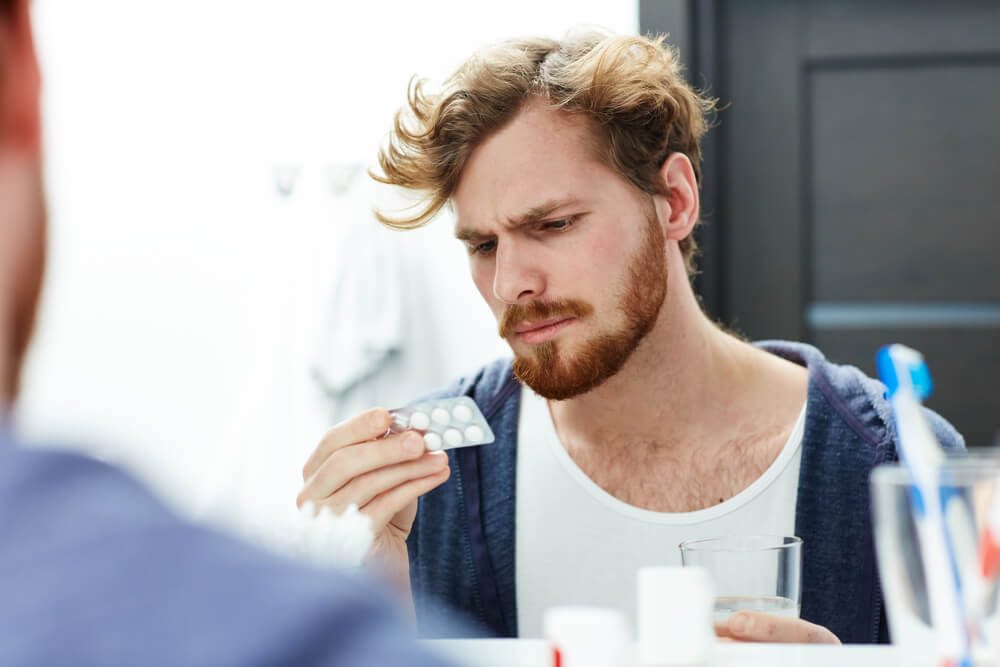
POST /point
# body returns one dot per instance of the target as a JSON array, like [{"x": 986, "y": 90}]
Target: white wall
[{"x": 184, "y": 294}]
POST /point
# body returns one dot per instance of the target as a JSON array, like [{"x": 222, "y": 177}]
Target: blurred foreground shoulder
[{"x": 96, "y": 571}]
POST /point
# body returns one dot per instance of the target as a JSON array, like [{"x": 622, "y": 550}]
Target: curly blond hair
[{"x": 631, "y": 88}]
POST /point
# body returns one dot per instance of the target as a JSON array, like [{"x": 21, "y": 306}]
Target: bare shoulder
[{"x": 779, "y": 386}]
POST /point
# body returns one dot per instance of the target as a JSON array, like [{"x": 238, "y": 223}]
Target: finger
[
  {"x": 368, "y": 425},
  {"x": 347, "y": 463},
  {"x": 363, "y": 489},
  {"x": 753, "y": 626},
  {"x": 384, "y": 507}
]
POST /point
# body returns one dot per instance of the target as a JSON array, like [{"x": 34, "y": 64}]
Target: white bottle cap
[
  {"x": 474, "y": 434},
  {"x": 675, "y": 615},
  {"x": 433, "y": 441},
  {"x": 587, "y": 636},
  {"x": 453, "y": 437},
  {"x": 461, "y": 413},
  {"x": 440, "y": 415},
  {"x": 419, "y": 421}
]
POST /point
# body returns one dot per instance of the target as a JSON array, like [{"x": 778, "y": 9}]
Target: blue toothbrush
[{"x": 908, "y": 380}]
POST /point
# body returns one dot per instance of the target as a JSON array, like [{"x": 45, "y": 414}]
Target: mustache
[{"x": 533, "y": 311}]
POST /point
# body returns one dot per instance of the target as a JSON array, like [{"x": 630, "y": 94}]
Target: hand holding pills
[{"x": 357, "y": 463}]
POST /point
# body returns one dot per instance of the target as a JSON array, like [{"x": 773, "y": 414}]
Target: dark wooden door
[{"x": 855, "y": 194}]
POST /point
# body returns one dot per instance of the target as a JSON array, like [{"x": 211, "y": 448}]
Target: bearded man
[{"x": 627, "y": 421}]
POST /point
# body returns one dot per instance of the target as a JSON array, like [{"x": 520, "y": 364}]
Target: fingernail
[
  {"x": 739, "y": 624},
  {"x": 413, "y": 443}
]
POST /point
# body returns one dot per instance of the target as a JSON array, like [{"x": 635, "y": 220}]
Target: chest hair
[{"x": 679, "y": 478}]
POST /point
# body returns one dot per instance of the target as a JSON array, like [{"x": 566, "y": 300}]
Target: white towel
[{"x": 363, "y": 326}]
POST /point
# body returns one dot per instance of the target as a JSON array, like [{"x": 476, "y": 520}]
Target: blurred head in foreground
[{"x": 22, "y": 209}]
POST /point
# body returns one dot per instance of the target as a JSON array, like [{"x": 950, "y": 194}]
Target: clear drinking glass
[
  {"x": 751, "y": 572},
  {"x": 969, "y": 484}
]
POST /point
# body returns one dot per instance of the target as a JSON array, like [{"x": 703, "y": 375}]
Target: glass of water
[
  {"x": 751, "y": 572},
  {"x": 969, "y": 485}
]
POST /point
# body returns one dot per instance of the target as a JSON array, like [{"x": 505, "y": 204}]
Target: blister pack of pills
[{"x": 446, "y": 423}]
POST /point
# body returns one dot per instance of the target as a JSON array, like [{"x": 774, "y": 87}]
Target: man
[
  {"x": 92, "y": 569},
  {"x": 627, "y": 421}
]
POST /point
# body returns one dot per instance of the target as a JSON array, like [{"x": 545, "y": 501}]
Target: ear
[
  {"x": 678, "y": 210},
  {"x": 20, "y": 83}
]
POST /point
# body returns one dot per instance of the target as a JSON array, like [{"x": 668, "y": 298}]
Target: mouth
[{"x": 533, "y": 333}]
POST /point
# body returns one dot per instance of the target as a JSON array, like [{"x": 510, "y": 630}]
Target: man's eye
[
  {"x": 557, "y": 225},
  {"x": 484, "y": 248}
]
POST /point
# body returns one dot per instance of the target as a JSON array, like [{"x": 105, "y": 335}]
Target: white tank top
[{"x": 576, "y": 544}]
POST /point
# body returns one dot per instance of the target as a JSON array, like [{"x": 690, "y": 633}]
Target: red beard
[{"x": 555, "y": 374}]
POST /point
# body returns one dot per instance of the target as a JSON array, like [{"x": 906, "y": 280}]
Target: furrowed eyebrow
[
  {"x": 540, "y": 212},
  {"x": 533, "y": 214},
  {"x": 471, "y": 235}
]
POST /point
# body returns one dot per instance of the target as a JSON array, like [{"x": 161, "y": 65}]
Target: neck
[
  {"x": 6, "y": 373},
  {"x": 686, "y": 380}
]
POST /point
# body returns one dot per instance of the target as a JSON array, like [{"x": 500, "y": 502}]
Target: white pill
[
  {"x": 453, "y": 437},
  {"x": 461, "y": 412},
  {"x": 440, "y": 416},
  {"x": 474, "y": 434},
  {"x": 433, "y": 442},
  {"x": 419, "y": 421}
]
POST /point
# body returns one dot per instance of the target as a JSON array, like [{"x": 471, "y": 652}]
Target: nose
[{"x": 517, "y": 277}]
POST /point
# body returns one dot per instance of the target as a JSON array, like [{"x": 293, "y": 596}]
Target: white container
[
  {"x": 587, "y": 637},
  {"x": 675, "y": 616}
]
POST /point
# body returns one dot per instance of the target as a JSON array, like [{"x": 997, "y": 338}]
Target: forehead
[{"x": 541, "y": 155}]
